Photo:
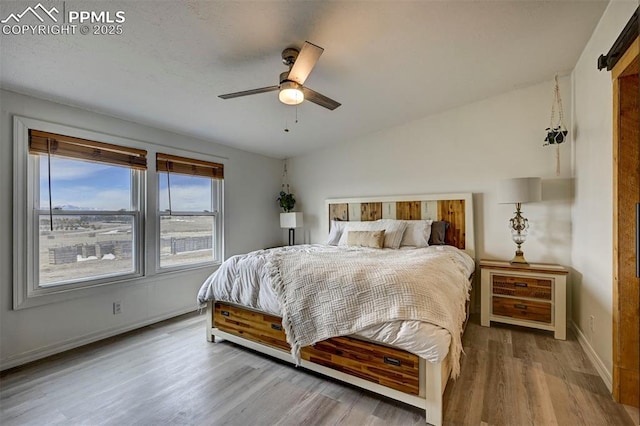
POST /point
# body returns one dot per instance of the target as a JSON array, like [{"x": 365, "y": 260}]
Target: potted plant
[
  {"x": 555, "y": 135},
  {"x": 287, "y": 201}
]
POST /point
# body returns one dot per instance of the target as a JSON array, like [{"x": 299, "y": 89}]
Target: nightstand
[{"x": 533, "y": 295}]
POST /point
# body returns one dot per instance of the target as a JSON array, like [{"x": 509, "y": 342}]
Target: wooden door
[{"x": 626, "y": 178}]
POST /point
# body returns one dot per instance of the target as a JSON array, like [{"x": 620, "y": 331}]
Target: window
[
  {"x": 86, "y": 202},
  {"x": 93, "y": 221},
  {"x": 81, "y": 216},
  {"x": 189, "y": 196}
]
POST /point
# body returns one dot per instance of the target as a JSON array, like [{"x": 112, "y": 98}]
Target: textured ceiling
[{"x": 386, "y": 62}]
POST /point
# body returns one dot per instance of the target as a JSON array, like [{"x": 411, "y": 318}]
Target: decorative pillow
[
  {"x": 438, "y": 232},
  {"x": 337, "y": 227},
  {"x": 393, "y": 232},
  {"x": 358, "y": 226},
  {"x": 417, "y": 233},
  {"x": 373, "y": 239}
]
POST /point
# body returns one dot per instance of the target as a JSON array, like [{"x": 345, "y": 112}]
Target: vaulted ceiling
[{"x": 387, "y": 62}]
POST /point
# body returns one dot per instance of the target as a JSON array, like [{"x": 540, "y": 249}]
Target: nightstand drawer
[
  {"x": 522, "y": 309},
  {"x": 521, "y": 286}
]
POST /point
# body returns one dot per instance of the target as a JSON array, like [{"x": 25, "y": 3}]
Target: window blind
[
  {"x": 189, "y": 166},
  {"x": 45, "y": 143}
]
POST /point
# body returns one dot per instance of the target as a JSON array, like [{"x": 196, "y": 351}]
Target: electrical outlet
[
  {"x": 117, "y": 308},
  {"x": 592, "y": 320}
]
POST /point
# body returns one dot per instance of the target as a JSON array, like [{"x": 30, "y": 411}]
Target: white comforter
[{"x": 244, "y": 279}]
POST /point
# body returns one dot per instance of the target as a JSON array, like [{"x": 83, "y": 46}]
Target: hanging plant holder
[
  {"x": 555, "y": 136},
  {"x": 557, "y": 131},
  {"x": 286, "y": 200}
]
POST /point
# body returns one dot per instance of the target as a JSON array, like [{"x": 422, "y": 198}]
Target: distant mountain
[{"x": 72, "y": 207}]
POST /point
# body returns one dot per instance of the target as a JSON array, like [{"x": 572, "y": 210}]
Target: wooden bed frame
[{"x": 373, "y": 366}]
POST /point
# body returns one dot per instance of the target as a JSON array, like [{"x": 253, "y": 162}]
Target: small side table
[{"x": 533, "y": 295}]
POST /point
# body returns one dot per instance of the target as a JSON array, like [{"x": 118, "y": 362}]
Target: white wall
[
  {"x": 252, "y": 183},
  {"x": 592, "y": 214},
  {"x": 467, "y": 149}
]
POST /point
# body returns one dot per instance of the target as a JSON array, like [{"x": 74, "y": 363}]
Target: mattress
[{"x": 244, "y": 280}]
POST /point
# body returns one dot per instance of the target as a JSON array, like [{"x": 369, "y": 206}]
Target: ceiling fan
[{"x": 291, "y": 89}]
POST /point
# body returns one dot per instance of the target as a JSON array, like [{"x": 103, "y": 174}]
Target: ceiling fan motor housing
[
  {"x": 289, "y": 56},
  {"x": 284, "y": 76}
]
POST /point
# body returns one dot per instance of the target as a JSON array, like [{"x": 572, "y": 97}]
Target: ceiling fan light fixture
[{"x": 290, "y": 93}]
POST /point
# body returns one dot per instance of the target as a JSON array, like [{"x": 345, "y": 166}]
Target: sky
[{"x": 95, "y": 186}]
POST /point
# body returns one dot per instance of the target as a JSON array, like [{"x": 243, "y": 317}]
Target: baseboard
[
  {"x": 55, "y": 348},
  {"x": 593, "y": 357}
]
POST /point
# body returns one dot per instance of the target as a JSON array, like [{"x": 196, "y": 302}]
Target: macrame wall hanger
[
  {"x": 557, "y": 131},
  {"x": 285, "y": 178}
]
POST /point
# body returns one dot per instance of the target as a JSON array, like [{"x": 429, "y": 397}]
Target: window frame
[
  {"x": 217, "y": 195},
  {"x": 148, "y": 228},
  {"x": 27, "y": 291},
  {"x": 35, "y": 288}
]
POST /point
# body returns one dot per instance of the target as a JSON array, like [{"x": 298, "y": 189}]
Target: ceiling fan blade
[
  {"x": 249, "y": 92},
  {"x": 317, "y": 98},
  {"x": 305, "y": 62}
]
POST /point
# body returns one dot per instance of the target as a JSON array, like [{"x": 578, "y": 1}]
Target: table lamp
[
  {"x": 291, "y": 220},
  {"x": 518, "y": 191}
]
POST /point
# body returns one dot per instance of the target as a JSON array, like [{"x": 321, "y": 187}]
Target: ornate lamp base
[{"x": 519, "y": 259}]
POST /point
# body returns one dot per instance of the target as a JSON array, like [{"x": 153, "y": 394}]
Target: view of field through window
[
  {"x": 94, "y": 221},
  {"x": 186, "y": 239},
  {"x": 81, "y": 247},
  {"x": 92, "y": 234}
]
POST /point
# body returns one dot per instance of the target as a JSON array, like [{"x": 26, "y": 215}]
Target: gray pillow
[{"x": 438, "y": 232}]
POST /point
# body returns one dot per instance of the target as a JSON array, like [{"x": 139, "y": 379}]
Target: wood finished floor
[{"x": 168, "y": 374}]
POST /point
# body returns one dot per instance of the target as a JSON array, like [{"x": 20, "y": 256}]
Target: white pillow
[
  {"x": 417, "y": 233},
  {"x": 393, "y": 231},
  {"x": 337, "y": 227}
]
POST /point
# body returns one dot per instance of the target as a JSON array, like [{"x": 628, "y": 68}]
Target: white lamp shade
[
  {"x": 291, "y": 220},
  {"x": 519, "y": 190}
]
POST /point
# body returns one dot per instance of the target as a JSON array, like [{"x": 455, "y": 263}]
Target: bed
[{"x": 404, "y": 343}]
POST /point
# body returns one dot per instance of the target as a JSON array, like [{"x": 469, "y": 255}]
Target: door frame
[{"x": 627, "y": 65}]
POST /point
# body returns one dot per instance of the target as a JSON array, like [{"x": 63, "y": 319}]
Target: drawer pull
[
  {"x": 276, "y": 327},
  {"x": 392, "y": 361},
  {"x": 520, "y": 306},
  {"x": 225, "y": 313},
  {"x": 521, "y": 285}
]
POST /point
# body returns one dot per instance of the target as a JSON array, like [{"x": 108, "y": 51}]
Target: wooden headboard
[{"x": 457, "y": 209}]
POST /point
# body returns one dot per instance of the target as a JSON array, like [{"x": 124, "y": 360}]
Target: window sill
[
  {"x": 190, "y": 267},
  {"x": 65, "y": 295}
]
